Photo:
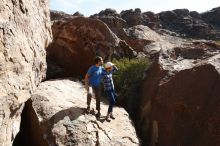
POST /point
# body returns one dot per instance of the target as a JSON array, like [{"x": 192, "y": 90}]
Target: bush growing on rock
[{"x": 127, "y": 80}]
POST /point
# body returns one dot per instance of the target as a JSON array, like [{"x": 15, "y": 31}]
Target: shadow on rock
[{"x": 73, "y": 113}]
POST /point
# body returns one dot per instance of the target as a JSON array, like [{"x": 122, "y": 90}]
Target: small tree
[{"x": 128, "y": 80}]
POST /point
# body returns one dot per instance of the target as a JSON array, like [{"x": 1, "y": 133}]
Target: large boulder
[
  {"x": 113, "y": 20},
  {"x": 78, "y": 14},
  {"x": 148, "y": 42},
  {"x": 78, "y": 40},
  {"x": 59, "y": 105},
  {"x": 180, "y": 97},
  {"x": 25, "y": 32},
  {"x": 140, "y": 37},
  {"x": 116, "y": 24},
  {"x": 107, "y": 12},
  {"x": 212, "y": 16},
  {"x": 134, "y": 17}
]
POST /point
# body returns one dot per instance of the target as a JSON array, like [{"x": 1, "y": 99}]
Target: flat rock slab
[{"x": 60, "y": 107}]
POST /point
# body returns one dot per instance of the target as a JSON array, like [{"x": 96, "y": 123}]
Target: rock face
[
  {"x": 60, "y": 109},
  {"x": 180, "y": 97},
  {"x": 24, "y": 34},
  {"x": 78, "y": 40}
]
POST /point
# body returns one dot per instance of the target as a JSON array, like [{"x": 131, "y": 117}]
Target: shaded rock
[
  {"x": 187, "y": 24},
  {"x": 78, "y": 14},
  {"x": 57, "y": 15},
  {"x": 54, "y": 70},
  {"x": 168, "y": 16},
  {"x": 181, "y": 12},
  {"x": 152, "y": 20},
  {"x": 212, "y": 16},
  {"x": 180, "y": 97},
  {"x": 108, "y": 12},
  {"x": 195, "y": 14},
  {"x": 133, "y": 17},
  {"x": 60, "y": 108},
  {"x": 24, "y": 34}
]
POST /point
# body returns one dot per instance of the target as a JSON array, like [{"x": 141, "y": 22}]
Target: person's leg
[
  {"x": 89, "y": 97},
  {"x": 114, "y": 99},
  {"x": 97, "y": 91},
  {"x": 111, "y": 101}
]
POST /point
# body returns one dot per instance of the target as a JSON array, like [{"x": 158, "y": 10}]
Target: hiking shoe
[
  {"x": 98, "y": 115},
  {"x": 88, "y": 109},
  {"x": 108, "y": 118},
  {"x": 111, "y": 116}
]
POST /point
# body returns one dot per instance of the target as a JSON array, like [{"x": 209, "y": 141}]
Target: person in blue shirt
[
  {"x": 110, "y": 68},
  {"x": 92, "y": 82}
]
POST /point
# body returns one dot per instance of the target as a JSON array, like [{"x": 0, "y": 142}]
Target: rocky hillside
[
  {"x": 179, "y": 102},
  {"x": 25, "y": 32},
  {"x": 181, "y": 22}
]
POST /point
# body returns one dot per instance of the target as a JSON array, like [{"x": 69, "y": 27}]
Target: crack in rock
[
  {"x": 130, "y": 139},
  {"x": 100, "y": 128}
]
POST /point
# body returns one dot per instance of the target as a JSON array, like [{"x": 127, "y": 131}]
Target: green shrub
[
  {"x": 218, "y": 42},
  {"x": 128, "y": 79}
]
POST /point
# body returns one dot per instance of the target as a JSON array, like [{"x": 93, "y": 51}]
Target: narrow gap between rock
[{"x": 30, "y": 133}]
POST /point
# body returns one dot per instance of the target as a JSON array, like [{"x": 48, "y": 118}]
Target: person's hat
[{"x": 108, "y": 65}]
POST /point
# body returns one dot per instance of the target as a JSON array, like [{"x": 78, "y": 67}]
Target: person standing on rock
[
  {"x": 92, "y": 82},
  {"x": 110, "y": 68}
]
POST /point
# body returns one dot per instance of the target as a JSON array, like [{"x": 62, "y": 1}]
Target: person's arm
[
  {"x": 86, "y": 80},
  {"x": 115, "y": 69},
  {"x": 87, "y": 76}
]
